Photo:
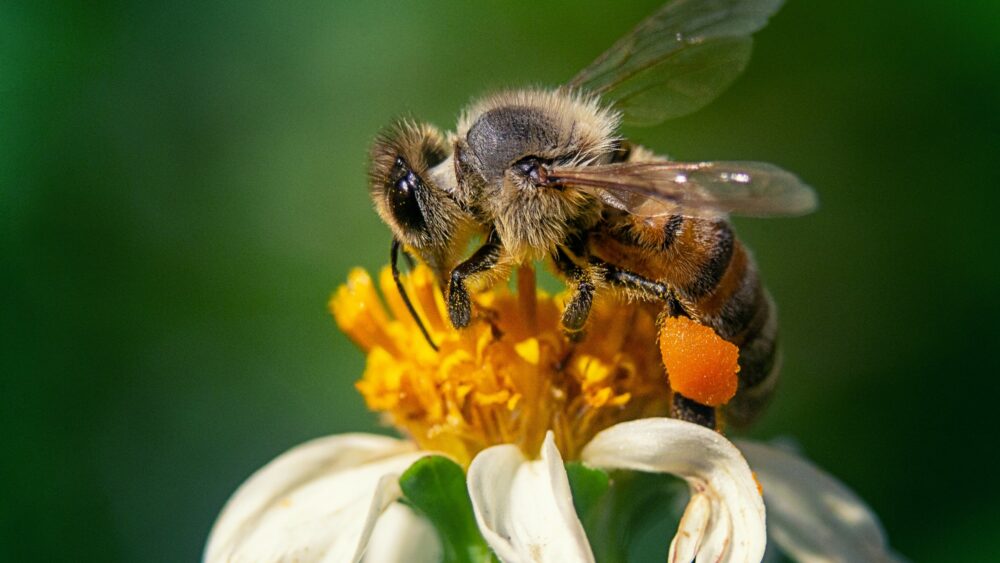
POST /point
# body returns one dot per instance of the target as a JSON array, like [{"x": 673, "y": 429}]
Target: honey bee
[{"x": 544, "y": 174}]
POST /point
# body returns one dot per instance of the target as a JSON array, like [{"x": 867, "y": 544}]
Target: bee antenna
[{"x": 394, "y": 261}]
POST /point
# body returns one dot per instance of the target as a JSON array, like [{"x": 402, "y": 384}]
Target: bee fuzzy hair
[{"x": 594, "y": 129}]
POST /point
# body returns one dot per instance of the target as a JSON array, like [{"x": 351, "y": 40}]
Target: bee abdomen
[
  {"x": 715, "y": 279},
  {"x": 670, "y": 230},
  {"x": 760, "y": 364},
  {"x": 740, "y": 310},
  {"x": 718, "y": 241}
]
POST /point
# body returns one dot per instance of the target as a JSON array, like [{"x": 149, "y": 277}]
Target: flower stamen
[{"x": 507, "y": 378}]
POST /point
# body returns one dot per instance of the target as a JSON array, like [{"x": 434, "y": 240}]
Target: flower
[
  {"x": 510, "y": 399},
  {"x": 506, "y": 379}
]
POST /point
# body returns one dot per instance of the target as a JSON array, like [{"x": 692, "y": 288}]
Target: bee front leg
[
  {"x": 578, "y": 308},
  {"x": 459, "y": 304}
]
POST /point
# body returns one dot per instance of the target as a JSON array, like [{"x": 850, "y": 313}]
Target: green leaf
[
  {"x": 620, "y": 509},
  {"x": 435, "y": 487},
  {"x": 588, "y": 486}
]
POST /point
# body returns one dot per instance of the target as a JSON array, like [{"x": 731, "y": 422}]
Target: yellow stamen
[{"x": 511, "y": 375}]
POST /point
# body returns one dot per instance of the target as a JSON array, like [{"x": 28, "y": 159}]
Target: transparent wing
[
  {"x": 704, "y": 189},
  {"x": 678, "y": 59}
]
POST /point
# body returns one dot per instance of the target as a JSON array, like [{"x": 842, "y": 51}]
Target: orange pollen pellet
[{"x": 700, "y": 364}]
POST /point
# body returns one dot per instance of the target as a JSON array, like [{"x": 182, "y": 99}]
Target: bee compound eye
[{"x": 403, "y": 197}]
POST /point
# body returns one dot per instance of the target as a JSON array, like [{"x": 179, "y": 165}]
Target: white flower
[
  {"x": 317, "y": 502},
  {"x": 509, "y": 398},
  {"x": 333, "y": 499},
  {"x": 813, "y": 517}
]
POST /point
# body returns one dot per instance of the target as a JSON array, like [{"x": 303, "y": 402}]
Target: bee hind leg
[
  {"x": 681, "y": 407},
  {"x": 690, "y": 410},
  {"x": 646, "y": 287}
]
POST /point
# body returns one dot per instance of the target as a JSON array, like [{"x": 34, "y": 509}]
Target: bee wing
[
  {"x": 678, "y": 59},
  {"x": 704, "y": 189}
]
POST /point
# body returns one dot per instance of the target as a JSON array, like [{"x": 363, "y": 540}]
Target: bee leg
[
  {"x": 681, "y": 408},
  {"x": 645, "y": 286},
  {"x": 690, "y": 410},
  {"x": 459, "y": 304},
  {"x": 630, "y": 280},
  {"x": 578, "y": 308}
]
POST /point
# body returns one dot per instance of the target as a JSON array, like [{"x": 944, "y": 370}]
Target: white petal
[
  {"x": 402, "y": 535},
  {"x": 316, "y": 502},
  {"x": 812, "y": 516},
  {"x": 524, "y": 508},
  {"x": 713, "y": 468},
  {"x": 691, "y": 529},
  {"x": 719, "y": 537}
]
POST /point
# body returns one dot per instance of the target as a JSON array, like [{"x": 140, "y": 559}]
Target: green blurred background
[{"x": 182, "y": 185}]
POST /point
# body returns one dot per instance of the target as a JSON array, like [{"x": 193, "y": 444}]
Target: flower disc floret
[{"x": 509, "y": 377}]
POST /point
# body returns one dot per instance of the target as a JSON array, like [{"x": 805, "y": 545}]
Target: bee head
[{"x": 408, "y": 194}]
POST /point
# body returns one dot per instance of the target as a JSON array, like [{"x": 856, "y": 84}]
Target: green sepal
[
  {"x": 619, "y": 509},
  {"x": 435, "y": 487},
  {"x": 588, "y": 486}
]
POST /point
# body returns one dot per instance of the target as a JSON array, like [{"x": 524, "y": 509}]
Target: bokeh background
[{"x": 182, "y": 185}]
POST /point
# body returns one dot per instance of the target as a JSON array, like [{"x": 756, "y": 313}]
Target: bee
[{"x": 544, "y": 174}]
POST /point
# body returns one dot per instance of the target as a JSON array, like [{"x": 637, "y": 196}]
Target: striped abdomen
[{"x": 715, "y": 280}]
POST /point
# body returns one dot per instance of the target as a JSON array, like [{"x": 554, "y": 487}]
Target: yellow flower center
[{"x": 511, "y": 375}]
